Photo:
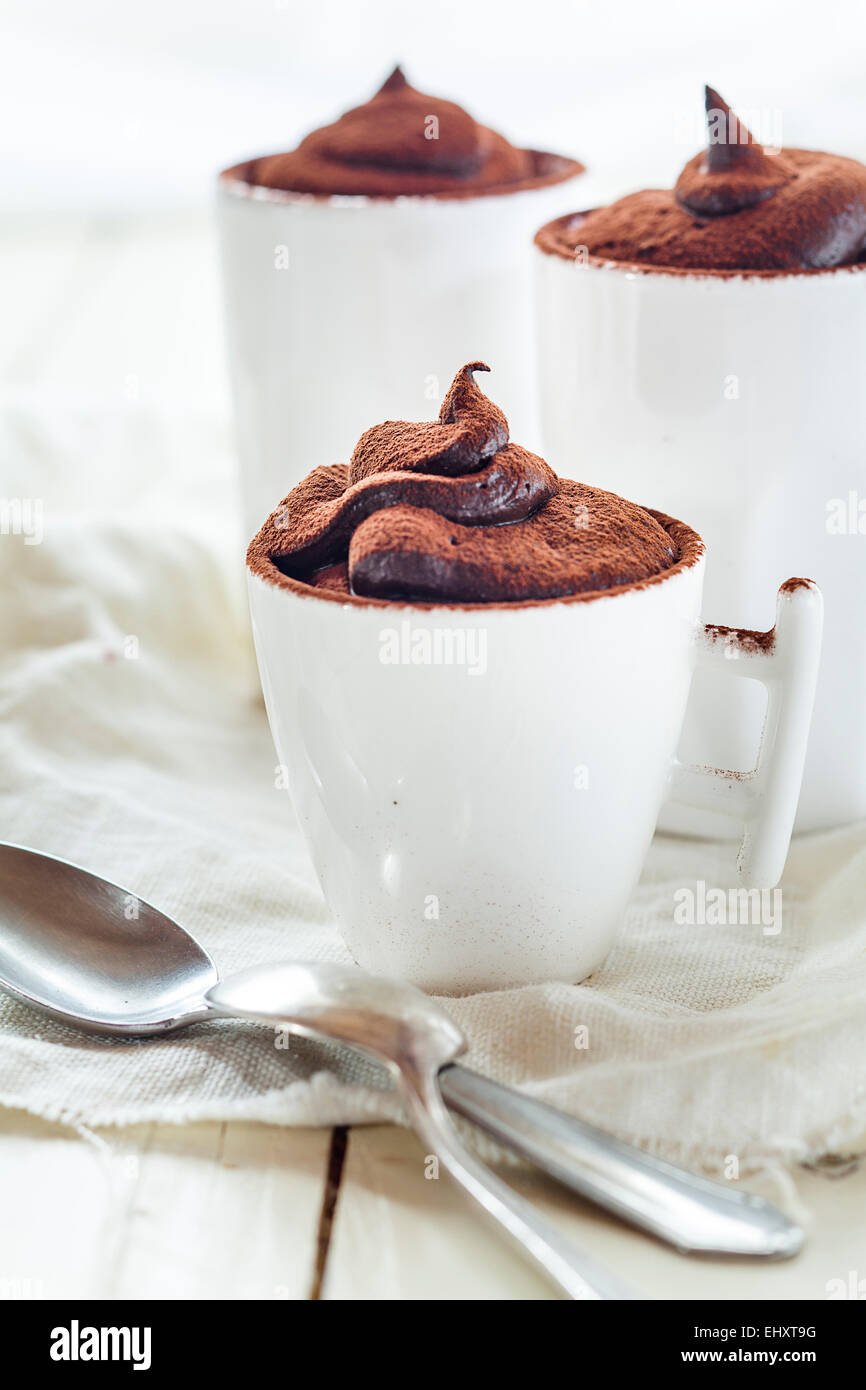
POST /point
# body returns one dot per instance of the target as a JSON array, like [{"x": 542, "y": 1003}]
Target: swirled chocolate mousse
[
  {"x": 736, "y": 207},
  {"x": 404, "y": 143},
  {"x": 452, "y": 511}
]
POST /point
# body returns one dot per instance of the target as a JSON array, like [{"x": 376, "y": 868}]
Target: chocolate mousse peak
[
  {"x": 401, "y": 128},
  {"x": 452, "y": 511},
  {"x": 728, "y": 137},
  {"x": 465, "y": 397},
  {"x": 469, "y": 431},
  {"x": 734, "y": 172},
  {"x": 395, "y": 83},
  {"x": 403, "y": 142}
]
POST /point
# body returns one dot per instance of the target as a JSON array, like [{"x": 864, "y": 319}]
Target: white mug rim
[
  {"x": 231, "y": 182},
  {"x": 692, "y": 555},
  {"x": 633, "y": 269}
]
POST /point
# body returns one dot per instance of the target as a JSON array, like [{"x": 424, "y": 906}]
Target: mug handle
[{"x": 785, "y": 660}]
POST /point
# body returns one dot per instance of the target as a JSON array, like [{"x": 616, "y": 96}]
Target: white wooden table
[
  {"x": 94, "y": 311},
  {"x": 248, "y": 1211}
]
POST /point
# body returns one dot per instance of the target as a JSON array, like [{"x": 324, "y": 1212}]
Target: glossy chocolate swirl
[
  {"x": 404, "y": 142},
  {"x": 736, "y": 207},
  {"x": 451, "y": 510}
]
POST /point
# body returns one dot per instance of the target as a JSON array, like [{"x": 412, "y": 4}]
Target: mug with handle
[
  {"x": 478, "y": 785},
  {"x": 737, "y": 401}
]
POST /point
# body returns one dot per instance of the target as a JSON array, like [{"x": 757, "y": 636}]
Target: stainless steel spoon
[
  {"x": 415, "y": 1038},
  {"x": 96, "y": 956}
]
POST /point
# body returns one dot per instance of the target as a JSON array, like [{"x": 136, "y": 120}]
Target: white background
[{"x": 108, "y": 105}]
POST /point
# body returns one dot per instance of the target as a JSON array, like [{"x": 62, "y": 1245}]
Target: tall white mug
[
  {"x": 478, "y": 786},
  {"x": 344, "y": 310},
  {"x": 740, "y": 403}
]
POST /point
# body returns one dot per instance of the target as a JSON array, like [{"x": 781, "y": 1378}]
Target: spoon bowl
[
  {"x": 88, "y": 952},
  {"x": 81, "y": 949}
]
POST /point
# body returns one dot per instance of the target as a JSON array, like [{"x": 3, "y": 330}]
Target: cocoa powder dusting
[
  {"x": 405, "y": 143},
  {"x": 451, "y": 511},
  {"x": 746, "y": 638},
  {"x": 736, "y": 208}
]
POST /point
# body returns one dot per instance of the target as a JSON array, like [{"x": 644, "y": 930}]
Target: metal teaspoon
[{"x": 70, "y": 947}]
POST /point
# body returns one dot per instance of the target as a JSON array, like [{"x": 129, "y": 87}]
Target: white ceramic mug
[
  {"x": 738, "y": 402},
  {"x": 478, "y": 786},
  {"x": 344, "y": 310}
]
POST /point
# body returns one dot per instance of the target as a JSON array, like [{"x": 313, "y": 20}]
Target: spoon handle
[
  {"x": 576, "y": 1274},
  {"x": 690, "y": 1212}
]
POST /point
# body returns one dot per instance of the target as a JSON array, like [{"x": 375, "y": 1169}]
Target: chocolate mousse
[
  {"x": 735, "y": 208},
  {"x": 404, "y": 143},
  {"x": 452, "y": 511}
]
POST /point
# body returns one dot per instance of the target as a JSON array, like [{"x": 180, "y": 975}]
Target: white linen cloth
[{"x": 134, "y": 741}]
